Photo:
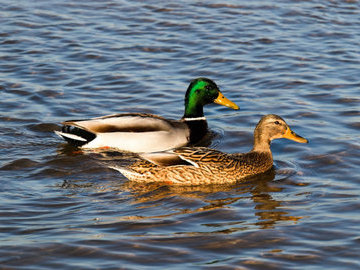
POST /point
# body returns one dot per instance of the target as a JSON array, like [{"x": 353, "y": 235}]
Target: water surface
[{"x": 77, "y": 59}]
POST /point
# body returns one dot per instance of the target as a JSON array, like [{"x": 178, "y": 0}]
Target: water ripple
[{"x": 63, "y": 208}]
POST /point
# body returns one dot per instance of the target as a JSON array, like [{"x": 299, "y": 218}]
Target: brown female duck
[{"x": 196, "y": 166}]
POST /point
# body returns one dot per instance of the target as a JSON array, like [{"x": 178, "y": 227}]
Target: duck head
[
  {"x": 203, "y": 91},
  {"x": 272, "y": 127}
]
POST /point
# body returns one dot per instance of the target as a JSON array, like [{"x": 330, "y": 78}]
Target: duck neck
[
  {"x": 195, "y": 119},
  {"x": 261, "y": 142},
  {"x": 262, "y": 152},
  {"x": 193, "y": 109}
]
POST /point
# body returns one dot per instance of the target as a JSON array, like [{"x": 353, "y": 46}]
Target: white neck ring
[{"x": 195, "y": 118}]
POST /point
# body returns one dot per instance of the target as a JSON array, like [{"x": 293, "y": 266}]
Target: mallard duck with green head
[
  {"x": 200, "y": 165},
  {"x": 140, "y": 132}
]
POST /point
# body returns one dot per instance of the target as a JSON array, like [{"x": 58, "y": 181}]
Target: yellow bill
[
  {"x": 291, "y": 135},
  {"x": 222, "y": 100}
]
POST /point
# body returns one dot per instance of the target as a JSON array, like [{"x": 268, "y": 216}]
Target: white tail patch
[{"x": 70, "y": 136}]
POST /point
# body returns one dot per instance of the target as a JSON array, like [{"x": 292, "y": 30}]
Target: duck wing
[
  {"x": 166, "y": 159},
  {"x": 133, "y": 132},
  {"x": 190, "y": 156},
  {"x": 201, "y": 155},
  {"x": 129, "y": 122}
]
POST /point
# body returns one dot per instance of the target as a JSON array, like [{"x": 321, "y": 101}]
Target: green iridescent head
[{"x": 200, "y": 92}]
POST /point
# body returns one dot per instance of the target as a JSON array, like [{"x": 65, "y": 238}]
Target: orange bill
[
  {"x": 291, "y": 135},
  {"x": 222, "y": 100}
]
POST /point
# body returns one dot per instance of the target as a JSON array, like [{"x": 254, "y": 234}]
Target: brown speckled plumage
[{"x": 196, "y": 166}]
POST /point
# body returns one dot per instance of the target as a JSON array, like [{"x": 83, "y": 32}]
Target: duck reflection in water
[{"x": 166, "y": 201}]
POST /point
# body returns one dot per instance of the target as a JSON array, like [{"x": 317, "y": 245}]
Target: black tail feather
[{"x": 88, "y": 136}]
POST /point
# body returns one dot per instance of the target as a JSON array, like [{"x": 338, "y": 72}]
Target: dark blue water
[{"x": 62, "y": 209}]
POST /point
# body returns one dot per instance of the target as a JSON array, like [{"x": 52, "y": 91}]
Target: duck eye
[
  {"x": 207, "y": 87},
  {"x": 277, "y": 123}
]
